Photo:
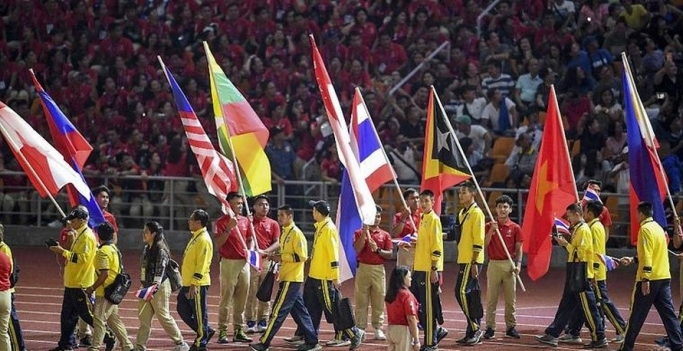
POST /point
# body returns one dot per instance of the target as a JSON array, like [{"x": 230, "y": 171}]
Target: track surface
[{"x": 39, "y": 295}]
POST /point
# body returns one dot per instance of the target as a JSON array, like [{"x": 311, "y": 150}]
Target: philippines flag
[
  {"x": 610, "y": 262},
  {"x": 591, "y": 195},
  {"x": 254, "y": 260},
  {"x": 146, "y": 293},
  {"x": 562, "y": 226},
  {"x": 375, "y": 169},
  {"x": 73, "y": 146}
]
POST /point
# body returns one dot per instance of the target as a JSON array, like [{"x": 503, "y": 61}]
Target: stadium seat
[
  {"x": 612, "y": 204},
  {"x": 499, "y": 173},
  {"x": 575, "y": 147},
  {"x": 501, "y": 149}
]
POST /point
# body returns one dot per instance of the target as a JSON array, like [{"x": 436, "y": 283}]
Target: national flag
[
  {"x": 442, "y": 164},
  {"x": 217, "y": 170},
  {"x": 239, "y": 130},
  {"x": 146, "y": 293},
  {"x": 561, "y": 226},
  {"x": 610, "y": 262},
  {"x": 591, "y": 195},
  {"x": 375, "y": 169},
  {"x": 254, "y": 259},
  {"x": 552, "y": 189},
  {"x": 406, "y": 240},
  {"x": 647, "y": 181},
  {"x": 44, "y": 165},
  {"x": 74, "y": 148}
]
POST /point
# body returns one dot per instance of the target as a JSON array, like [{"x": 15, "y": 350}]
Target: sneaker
[
  {"x": 338, "y": 343},
  {"x": 463, "y": 340},
  {"x": 489, "y": 334},
  {"x": 59, "y": 348},
  {"x": 663, "y": 341},
  {"x": 309, "y": 347},
  {"x": 183, "y": 346},
  {"x": 512, "y": 333},
  {"x": 547, "y": 339},
  {"x": 261, "y": 326},
  {"x": 597, "y": 344},
  {"x": 429, "y": 348},
  {"x": 476, "y": 338},
  {"x": 570, "y": 339},
  {"x": 619, "y": 339},
  {"x": 379, "y": 334},
  {"x": 240, "y": 336},
  {"x": 85, "y": 341},
  {"x": 197, "y": 348},
  {"x": 295, "y": 338},
  {"x": 441, "y": 333},
  {"x": 212, "y": 332},
  {"x": 222, "y": 337},
  {"x": 258, "y": 347},
  {"x": 109, "y": 341},
  {"x": 357, "y": 339},
  {"x": 251, "y": 327}
]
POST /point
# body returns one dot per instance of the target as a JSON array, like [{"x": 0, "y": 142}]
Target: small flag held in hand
[
  {"x": 406, "y": 240},
  {"x": 254, "y": 259},
  {"x": 590, "y": 195},
  {"x": 610, "y": 262},
  {"x": 562, "y": 227},
  {"x": 146, "y": 293}
]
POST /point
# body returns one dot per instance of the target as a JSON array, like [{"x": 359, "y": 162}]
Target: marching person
[
  {"x": 499, "y": 272},
  {"x": 470, "y": 246},
  {"x": 402, "y": 306},
  {"x": 233, "y": 237},
  {"x": 373, "y": 246},
  {"x": 427, "y": 272},
  {"x": 403, "y": 226},
  {"x": 108, "y": 265},
  {"x": 267, "y": 236},
  {"x": 196, "y": 280},
  {"x": 153, "y": 272},
  {"x": 5, "y": 300},
  {"x": 79, "y": 274},
  {"x": 580, "y": 249},
  {"x": 292, "y": 257},
  {"x": 605, "y": 217},
  {"x": 16, "y": 336},
  {"x": 653, "y": 282}
]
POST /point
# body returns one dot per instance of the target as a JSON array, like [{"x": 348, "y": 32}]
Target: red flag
[{"x": 552, "y": 189}]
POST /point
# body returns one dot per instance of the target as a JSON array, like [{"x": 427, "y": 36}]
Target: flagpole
[
  {"x": 564, "y": 137},
  {"x": 476, "y": 183},
  {"x": 650, "y": 137},
  {"x": 31, "y": 170},
  {"x": 393, "y": 175}
]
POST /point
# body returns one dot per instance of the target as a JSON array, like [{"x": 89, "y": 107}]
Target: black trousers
[
  {"x": 16, "y": 337},
  {"x": 660, "y": 297},
  {"x": 289, "y": 300},
  {"x": 466, "y": 300},
  {"x": 319, "y": 296},
  {"x": 608, "y": 310},
  {"x": 194, "y": 313},
  {"x": 427, "y": 294},
  {"x": 577, "y": 305},
  {"x": 74, "y": 304}
]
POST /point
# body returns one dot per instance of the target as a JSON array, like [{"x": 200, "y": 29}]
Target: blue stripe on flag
[{"x": 349, "y": 222}]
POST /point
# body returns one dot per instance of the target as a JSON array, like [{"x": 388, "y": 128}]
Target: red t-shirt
[
  {"x": 408, "y": 228},
  {"x": 383, "y": 240},
  {"x": 511, "y": 233},
  {"x": 404, "y": 305},
  {"x": 233, "y": 248},
  {"x": 605, "y": 218},
  {"x": 111, "y": 219},
  {"x": 5, "y": 271},
  {"x": 267, "y": 231}
]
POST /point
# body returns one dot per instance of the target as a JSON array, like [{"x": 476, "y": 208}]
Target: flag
[
  {"x": 217, "y": 170},
  {"x": 442, "y": 164},
  {"x": 590, "y": 195},
  {"x": 44, "y": 165},
  {"x": 146, "y": 293},
  {"x": 375, "y": 169},
  {"x": 73, "y": 147},
  {"x": 254, "y": 259},
  {"x": 610, "y": 262},
  {"x": 406, "y": 240},
  {"x": 562, "y": 227},
  {"x": 236, "y": 120},
  {"x": 552, "y": 189},
  {"x": 647, "y": 180}
]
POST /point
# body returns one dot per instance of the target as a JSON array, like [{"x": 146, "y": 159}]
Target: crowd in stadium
[{"x": 98, "y": 61}]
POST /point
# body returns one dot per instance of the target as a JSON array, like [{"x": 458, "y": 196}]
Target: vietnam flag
[
  {"x": 239, "y": 130},
  {"x": 552, "y": 189},
  {"x": 442, "y": 164}
]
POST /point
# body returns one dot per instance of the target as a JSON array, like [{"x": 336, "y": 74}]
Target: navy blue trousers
[
  {"x": 427, "y": 294},
  {"x": 16, "y": 337},
  {"x": 463, "y": 294},
  {"x": 608, "y": 310},
  {"x": 319, "y": 295},
  {"x": 194, "y": 313},
  {"x": 582, "y": 304},
  {"x": 74, "y": 304},
  {"x": 289, "y": 300}
]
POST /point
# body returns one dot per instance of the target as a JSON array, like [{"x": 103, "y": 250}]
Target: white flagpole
[{"x": 476, "y": 183}]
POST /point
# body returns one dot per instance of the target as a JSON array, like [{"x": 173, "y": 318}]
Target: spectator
[
  {"x": 387, "y": 56},
  {"x": 500, "y": 114},
  {"x": 598, "y": 57},
  {"x": 616, "y": 140},
  {"x": 281, "y": 156},
  {"x": 472, "y": 105},
  {"x": 616, "y": 40},
  {"x": 527, "y": 85},
  {"x": 608, "y": 109},
  {"x": 481, "y": 138},
  {"x": 497, "y": 80},
  {"x": 522, "y": 162},
  {"x": 635, "y": 15},
  {"x": 330, "y": 165}
]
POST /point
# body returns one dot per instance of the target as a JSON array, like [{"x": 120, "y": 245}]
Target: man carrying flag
[
  {"x": 403, "y": 226},
  {"x": 592, "y": 192}
]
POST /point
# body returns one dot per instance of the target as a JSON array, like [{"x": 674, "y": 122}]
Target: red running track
[{"x": 39, "y": 296}]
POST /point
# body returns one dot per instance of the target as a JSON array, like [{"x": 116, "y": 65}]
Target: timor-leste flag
[
  {"x": 552, "y": 189},
  {"x": 442, "y": 164}
]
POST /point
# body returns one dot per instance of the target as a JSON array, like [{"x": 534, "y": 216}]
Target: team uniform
[
  {"x": 406, "y": 257},
  {"x": 398, "y": 332},
  {"x": 471, "y": 221},
  {"x": 5, "y": 300},
  {"x": 15, "y": 334},
  {"x": 267, "y": 233},
  {"x": 370, "y": 282}
]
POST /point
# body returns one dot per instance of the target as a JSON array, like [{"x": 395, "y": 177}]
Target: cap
[
  {"x": 321, "y": 206},
  {"x": 464, "y": 119},
  {"x": 78, "y": 212}
]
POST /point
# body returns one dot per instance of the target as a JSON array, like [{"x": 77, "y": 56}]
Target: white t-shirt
[
  {"x": 492, "y": 113},
  {"x": 474, "y": 109},
  {"x": 477, "y": 134}
]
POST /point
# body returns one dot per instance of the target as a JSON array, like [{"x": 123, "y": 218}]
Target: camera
[{"x": 51, "y": 242}]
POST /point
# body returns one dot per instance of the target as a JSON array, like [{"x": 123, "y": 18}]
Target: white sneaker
[
  {"x": 182, "y": 347},
  {"x": 619, "y": 339},
  {"x": 379, "y": 334},
  {"x": 338, "y": 343}
]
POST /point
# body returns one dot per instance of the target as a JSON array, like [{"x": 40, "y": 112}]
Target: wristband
[{"x": 415, "y": 342}]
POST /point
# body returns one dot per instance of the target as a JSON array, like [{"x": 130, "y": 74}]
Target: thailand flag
[
  {"x": 562, "y": 227},
  {"x": 375, "y": 169},
  {"x": 406, "y": 240},
  {"x": 610, "y": 262},
  {"x": 591, "y": 195},
  {"x": 146, "y": 293},
  {"x": 254, "y": 259}
]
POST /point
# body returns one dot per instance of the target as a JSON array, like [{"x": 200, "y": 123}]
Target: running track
[{"x": 39, "y": 296}]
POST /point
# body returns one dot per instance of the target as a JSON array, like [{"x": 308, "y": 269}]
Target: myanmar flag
[
  {"x": 239, "y": 130},
  {"x": 442, "y": 164}
]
